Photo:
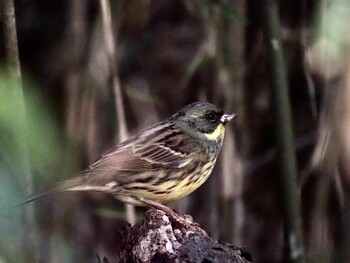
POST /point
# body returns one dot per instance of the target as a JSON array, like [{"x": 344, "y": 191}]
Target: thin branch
[{"x": 111, "y": 49}]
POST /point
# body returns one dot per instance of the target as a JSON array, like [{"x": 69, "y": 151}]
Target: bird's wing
[{"x": 161, "y": 146}]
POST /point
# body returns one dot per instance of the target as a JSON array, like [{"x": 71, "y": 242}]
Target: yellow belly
[{"x": 168, "y": 191}]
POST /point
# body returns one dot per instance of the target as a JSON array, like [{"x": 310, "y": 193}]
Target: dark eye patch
[{"x": 213, "y": 116}]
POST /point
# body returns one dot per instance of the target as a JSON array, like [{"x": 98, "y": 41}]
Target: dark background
[{"x": 168, "y": 54}]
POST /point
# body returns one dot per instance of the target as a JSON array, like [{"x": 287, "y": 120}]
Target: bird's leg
[{"x": 180, "y": 219}]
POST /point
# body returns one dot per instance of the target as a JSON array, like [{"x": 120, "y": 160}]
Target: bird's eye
[{"x": 211, "y": 116}]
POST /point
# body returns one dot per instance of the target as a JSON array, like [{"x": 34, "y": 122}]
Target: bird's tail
[{"x": 69, "y": 185}]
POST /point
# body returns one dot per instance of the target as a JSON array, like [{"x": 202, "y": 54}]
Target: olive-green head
[{"x": 203, "y": 119}]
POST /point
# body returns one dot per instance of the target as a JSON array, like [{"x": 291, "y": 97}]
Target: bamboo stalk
[{"x": 293, "y": 241}]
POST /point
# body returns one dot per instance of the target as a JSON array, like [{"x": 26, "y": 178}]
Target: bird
[{"x": 159, "y": 164}]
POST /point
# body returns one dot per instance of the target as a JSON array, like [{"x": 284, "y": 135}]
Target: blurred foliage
[
  {"x": 47, "y": 149},
  {"x": 28, "y": 131},
  {"x": 225, "y": 8},
  {"x": 338, "y": 13},
  {"x": 331, "y": 41}
]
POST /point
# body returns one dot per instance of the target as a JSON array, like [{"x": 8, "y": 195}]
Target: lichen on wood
[{"x": 161, "y": 238}]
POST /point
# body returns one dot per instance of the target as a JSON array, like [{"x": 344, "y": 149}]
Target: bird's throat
[{"x": 217, "y": 134}]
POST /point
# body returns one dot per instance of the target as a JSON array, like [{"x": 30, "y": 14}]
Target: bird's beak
[{"x": 227, "y": 117}]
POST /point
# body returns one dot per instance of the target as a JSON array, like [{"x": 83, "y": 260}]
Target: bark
[{"x": 161, "y": 238}]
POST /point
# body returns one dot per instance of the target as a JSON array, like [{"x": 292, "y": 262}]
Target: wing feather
[{"x": 160, "y": 146}]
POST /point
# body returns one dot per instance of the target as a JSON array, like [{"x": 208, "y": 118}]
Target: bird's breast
[{"x": 170, "y": 185}]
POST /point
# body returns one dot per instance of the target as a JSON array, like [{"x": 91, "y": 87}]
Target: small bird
[{"x": 159, "y": 164}]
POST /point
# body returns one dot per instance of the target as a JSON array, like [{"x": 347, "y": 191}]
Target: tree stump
[{"x": 161, "y": 238}]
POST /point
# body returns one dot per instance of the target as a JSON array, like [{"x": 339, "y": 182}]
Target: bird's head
[{"x": 203, "y": 120}]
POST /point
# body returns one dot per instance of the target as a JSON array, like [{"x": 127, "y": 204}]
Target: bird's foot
[{"x": 185, "y": 220}]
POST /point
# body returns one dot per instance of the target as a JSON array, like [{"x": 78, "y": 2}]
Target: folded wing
[{"x": 161, "y": 146}]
